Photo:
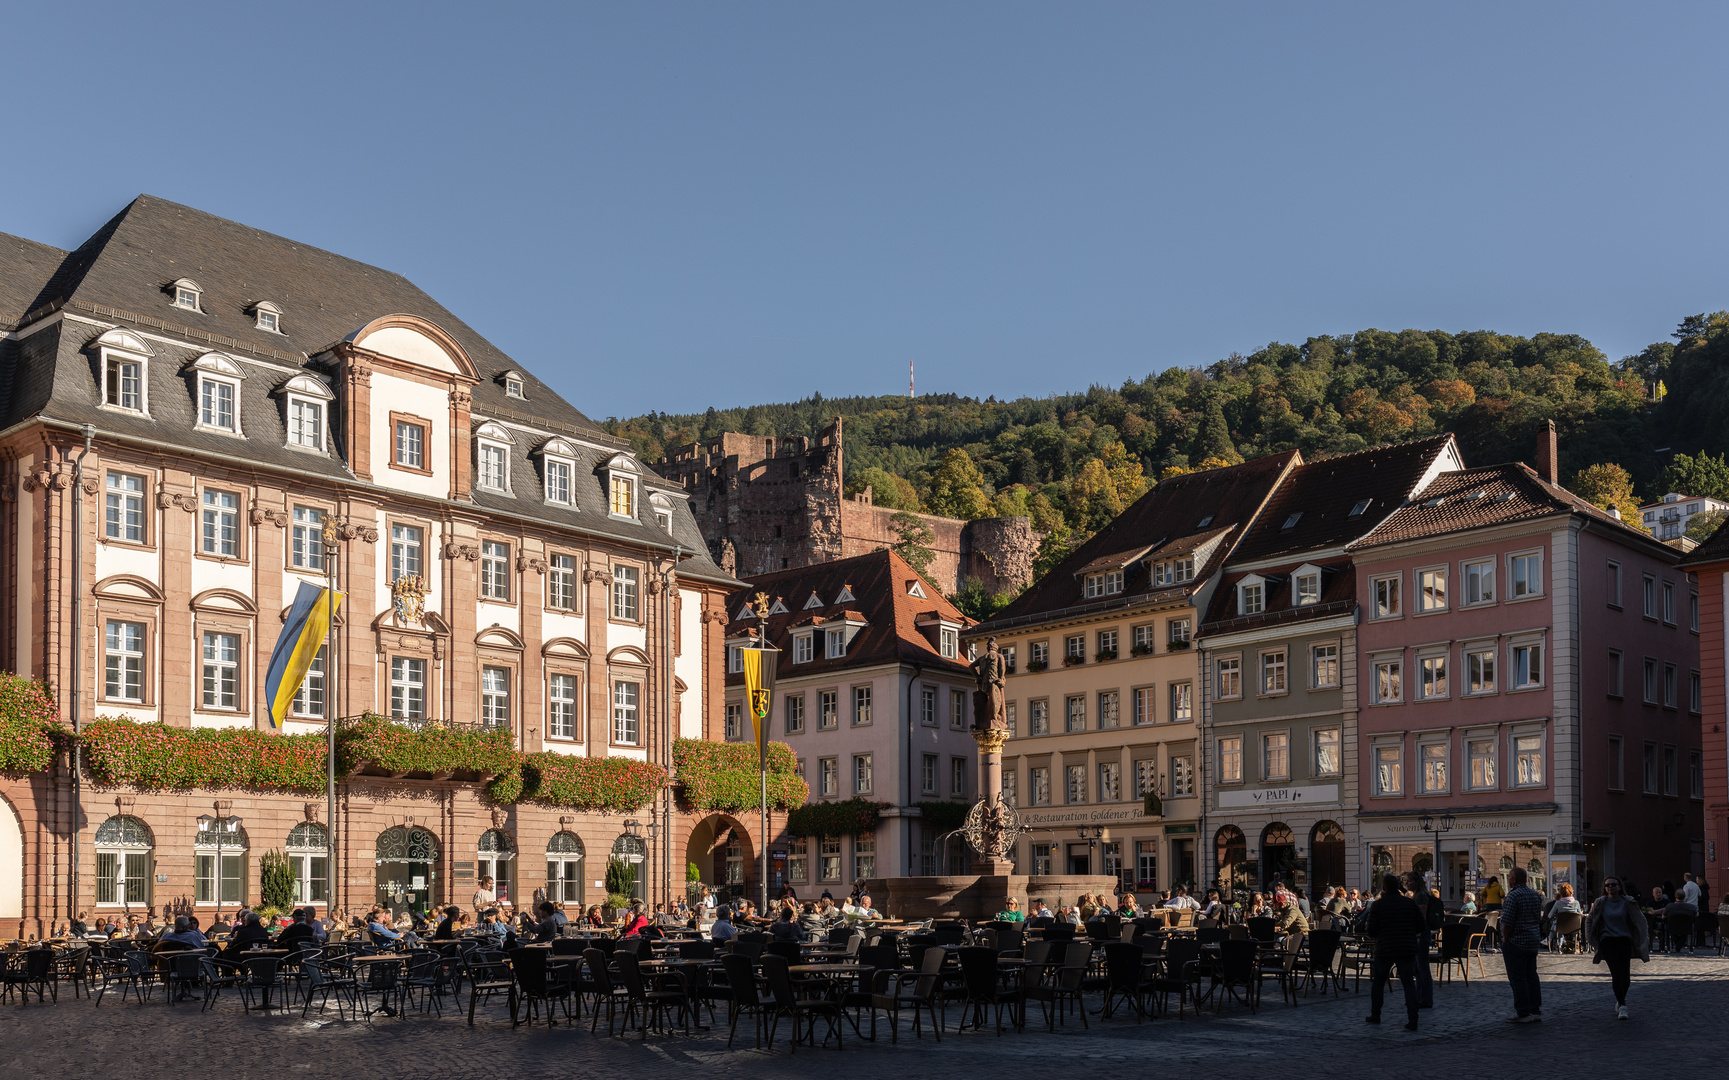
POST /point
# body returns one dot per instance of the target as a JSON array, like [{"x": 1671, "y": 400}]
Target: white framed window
[
  {"x": 1178, "y": 633},
  {"x": 221, "y": 671},
  {"x": 1669, "y": 688},
  {"x": 1231, "y": 759},
  {"x": 1273, "y": 665},
  {"x": 405, "y": 552},
  {"x": 1107, "y": 644},
  {"x": 492, "y": 471},
  {"x": 928, "y": 706},
  {"x": 410, "y": 444},
  {"x": 1183, "y": 569},
  {"x": 828, "y": 854},
  {"x": 625, "y": 694},
  {"x": 407, "y": 688},
  {"x": 1432, "y": 589},
  {"x": 1527, "y": 664},
  {"x": 735, "y": 724},
  {"x": 1075, "y": 713},
  {"x": 187, "y": 294},
  {"x": 561, "y": 583},
  {"x": 1481, "y": 763},
  {"x": 1479, "y": 582},
  {"x": 827, "y": 710},
  {"x": 949, "y": 643},
  {"x": 1182, "y": 775},
  {"x": 494, "y": 570},
  {"x": 267, "y": 317},
  {"x": 306, "y": 539},
  {"x": 221, "y": 524},
  {"x": 734, "y": 659},
  {"x": 1039, "y": 655},
  {"x": 624, "y": 581},
  {"x": 1525, "y": 570},
  {"x": 1432, "y": 761},
  {"x": 958, "y": 776},
  {"x": 225, "y": 884},
  {"x": 309, "y": 699},
  {"x": 1528, "y": 764},
  {"x": 561, "y": 709},
  {"x": 621, "y": 500},
  {"x": 1324, "y": 665},
  {"x": 1308, "y": 588},
  {"x": 1110, "y": 709},
  {"x": 309, "y": 856},
  {"x": 1669, "y": 602},
  {"x": 513, "y": 385},
  {"x": 1251, "y": 599},
  {"x": 836, "y": 641},
  {"x": 123, "y": 862},
  {"x": 1039, "y": 717},
  {"x": 1145, "y": 705},
  {"x": 495, "y": 696},
  {"x": 928, "y": 774},
  {"x": 216, "y": 403},
  {"x": 1390, "y": 769},
  {"x": 828, "y": 778},
  {"x": 1075, "y": 784},
  {"x": 1650, "y": 681},
  {"x": 958, "y": 710},
  {"x": 864, "y": 856},
  {"x": 1276, "y": 755},
  {"x": 1650, "y": 593},
  {"x": 1480, "y": 669},
  {"x": 794, "y": 710},
  {"x": 1107, "y": 584},
  {"x": 305, "y": 423},
  {"x": 123, "y": 661},
  {"x": 1011, "y": 788},
  {"x": 861, "y": 774},
  {"x": 803, "y": 648},
  {"x": 1432, "y": 677},
  {"x": 1110, "y": 781},
  {"x": 123, "y": 383},
  {"x": 124, "y": 517},
  {"x": 559, "y": 488},
  {"x": 1325, "y": 746},
  {"x": 1011, "y": 714},
  {"x": 1389, "y": 685},
  {"x": 1230, "y": 677},
  {"x": 1039, "y": 783},
  {"x": 1182, "y": 702},
  {"x": 1384, "y": 595}
]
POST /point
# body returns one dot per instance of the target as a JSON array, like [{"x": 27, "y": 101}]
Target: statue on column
[{"x": 990, "y": 711}]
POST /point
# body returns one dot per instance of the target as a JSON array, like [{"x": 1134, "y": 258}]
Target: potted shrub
[
  {"x": 1106, "y": 654},
  {"x": 1071, "y": 661},
  {"x": 620, "y": 886},
  {"x": 1143, "y": 648},
  {"x": 276, "y": 881},
  {"x": 1037, "y": 665}
]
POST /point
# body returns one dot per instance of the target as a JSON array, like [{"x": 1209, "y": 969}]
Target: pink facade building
[{"x": 1529, "y": 686}]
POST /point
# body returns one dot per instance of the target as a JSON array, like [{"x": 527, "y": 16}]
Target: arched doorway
[
  {"x": 407, "y": 861},
  {"x": 497, "y": 860},
  {"x": 1231, "y": 856},
  {"x": 11, "y": 862},
  {"x": 632, "y": 852},
  {"x": 1278, "y": 855},
  {"x": 725, "y": 859},
  {"x": 1326, "y": 857}
]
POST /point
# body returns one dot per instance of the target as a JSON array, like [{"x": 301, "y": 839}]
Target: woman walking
[{"x": 1617, "y": 932}]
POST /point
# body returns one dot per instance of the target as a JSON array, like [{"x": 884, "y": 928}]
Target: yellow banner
[{"x": 759, "y": 665}]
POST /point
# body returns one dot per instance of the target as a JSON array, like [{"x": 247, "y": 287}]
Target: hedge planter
[
  {"x": 28, "y": 731},
  {"x": 850, "y": 817},
  {"x": 725, "y": 776}
]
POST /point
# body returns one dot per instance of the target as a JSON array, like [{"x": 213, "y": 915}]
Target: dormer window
[
  {"x": 914, "y": 589},
  {"x": 187, "y": 294},
  {"x": 662, "y": 508},
  {"x": 558, "y": 463},
  {"x": 1184, "y": 568},
  {"x": 1308, "y": 587},
  {"x": 307, "y": 400},
  {"x": 492, "y": 445},
  {"x": 219, "y": 393},
  {"x": 1106, "y": 584},
  {"x": 268, "y": 316},
  {"x": 815, "y": 601},
  {"x": 846, "y": 596},
  {"x": 1251, "y": 598},
  {"x": 803, "y": 647},
  {"x": 513, "y": 386},
  {"x": 949, "y": 643},
  {"x": 124, "y": 358},
  {"x": 621, "y": 487}
]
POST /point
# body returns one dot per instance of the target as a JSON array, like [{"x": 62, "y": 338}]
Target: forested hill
[{"x": 1330, "y": 394}]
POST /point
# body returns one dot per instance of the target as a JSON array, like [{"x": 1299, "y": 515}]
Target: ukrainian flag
[{"x": 302, "y": 637}]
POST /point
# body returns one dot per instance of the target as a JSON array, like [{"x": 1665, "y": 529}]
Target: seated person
[
  {"x": 635, "y": 920},
  {"x": 250, "y": 935},
  {"x": 376, "y": 925},
  {"x": 864, "y": 910},
  {"x": 1291, "y": 919},
  {"x": 811, "y": 922},
  {"x": 550, "y": 925},
  {"x": 449, "y": 927},
  {"x": 786, "y": 928},
  {"x": 1012, "y": 912},
  {"x": 299, "y": 935},
  {"x": 184, "y": 936},
  {"x": 492, "y": 928},
  {"x": 722, "y": 929}
]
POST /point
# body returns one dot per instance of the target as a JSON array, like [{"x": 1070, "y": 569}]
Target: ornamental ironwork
[
  {"x": 993, "y": 828},
  {"x": 402, "y": 844}
]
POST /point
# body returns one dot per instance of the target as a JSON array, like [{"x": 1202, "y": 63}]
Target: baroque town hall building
[{"x": 238, "y": 391}]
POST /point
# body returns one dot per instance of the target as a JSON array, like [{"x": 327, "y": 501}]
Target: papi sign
[{"x": 1280, "y": 796}]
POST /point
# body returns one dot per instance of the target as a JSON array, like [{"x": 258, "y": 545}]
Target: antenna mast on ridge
[{"x": 910, "y": 379}]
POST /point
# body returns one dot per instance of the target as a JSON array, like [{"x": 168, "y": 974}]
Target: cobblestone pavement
[{"x": 1674, "y": 1002}]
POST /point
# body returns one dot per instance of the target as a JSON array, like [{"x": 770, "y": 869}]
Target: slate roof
[
  {"x": 878, "y": 582},
  {"x": 1713, "y": 550},
  {"x": 121, "y": 275},
  {"x": 1177, "y": 516},
  {"x": 1338, "y": 597},
  {"x": 1491, "y": 495}
]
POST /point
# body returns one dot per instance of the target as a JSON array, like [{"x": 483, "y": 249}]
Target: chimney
[{"x": 1548, "y": 456}]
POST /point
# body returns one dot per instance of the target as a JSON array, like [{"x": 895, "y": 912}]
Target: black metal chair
[
  {"x": 32, "y": 967},
  {"x": 185, "y": 974},
  {"x": 1455, "y": 949},
  {"x": 432, "y": 982},
  {"x": 380, "y": 982},
  {"x": 1321, "y": 960},
  {"x": 1237, "y": 968},
  {"x": 786, "y": 950},
  {"x": 1263, "y": 928},
  {"x": 650, "y": 1005},
  {"x": 1062, "y": 989},
  {"x": 536, "y": 987},
  {"x": 1126, "y": 978},
  {"x": 696, "y": 950},
  {"x": 603, "y": 989},
  {"x": 741, "y": 984},
  {"x": 262, "y": 976},
  {"x": 130, "y": 971},
  {"x": 802, "y": 1011},
  {"x": 987, "y": 986},
  {"x": 1181, "y": 973},
  {"x": 317, "y": 977},
  {"x": 489, "y": 975}
]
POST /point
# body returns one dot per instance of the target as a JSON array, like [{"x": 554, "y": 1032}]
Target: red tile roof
[{"x": 1478, "y": 498}]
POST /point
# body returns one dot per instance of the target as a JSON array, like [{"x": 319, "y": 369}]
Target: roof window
[
  {"x": 513, "y": 386},
  {"x": 1208, "y": 520},
  {"x": 187, "y": 294},
  {"x": 1362, "y": 505},
  {"x": 1291, "y": 522},
  {"x": 268, "y": 316},
  {"x": 1435, "y": 502}
]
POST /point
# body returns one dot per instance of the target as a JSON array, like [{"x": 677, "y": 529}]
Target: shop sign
[
  {"x": 1460, "y": 825},
  {"x": 1280, "y": 796},
  {"x": 1065, "y": 816}
]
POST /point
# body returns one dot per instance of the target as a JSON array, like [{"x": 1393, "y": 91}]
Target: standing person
[
  {"x": 1521, "y": 937},
  {"x": 485, "y": 895},
  {"x": 1396, "y": 923},
  {"x": 1434, "y": 915},
  {"x": 1493, "y": 894},
  {"x": 1617, "y": 932}
]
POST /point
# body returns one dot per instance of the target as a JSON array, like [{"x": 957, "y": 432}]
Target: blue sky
[{"x": 662, "y": 206}]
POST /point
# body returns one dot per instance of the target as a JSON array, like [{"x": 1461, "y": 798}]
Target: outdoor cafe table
[
  {"x": 257, "y": 954},
  {"x": 830, "y": 973}
]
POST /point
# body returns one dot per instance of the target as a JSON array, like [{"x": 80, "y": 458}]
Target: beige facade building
[{"x": 1103, "y": 701}]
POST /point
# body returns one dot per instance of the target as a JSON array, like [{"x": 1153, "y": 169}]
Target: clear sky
[{"x": 668, "y": 206}]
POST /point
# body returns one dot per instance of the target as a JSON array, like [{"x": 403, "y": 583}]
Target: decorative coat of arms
[{"x": 408, "y": 597}]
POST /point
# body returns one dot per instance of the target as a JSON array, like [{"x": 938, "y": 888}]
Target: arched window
[
  {"x": 220, "y": 840},
  {"x": 406, "y": 860},
  {"x": 310, "y": 857},
  {"x": 564, "y": 868},
  {"x": 498, "y": 862},
  {"x": 1231, "y": 850},
  {"x": 123, "y": 861}
]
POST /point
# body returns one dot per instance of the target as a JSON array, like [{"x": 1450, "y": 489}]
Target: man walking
[
  {"x": 1396, "y": 924},
  {"x": 1434, "y": 915},
  {"x": 1521, "y": 936}
]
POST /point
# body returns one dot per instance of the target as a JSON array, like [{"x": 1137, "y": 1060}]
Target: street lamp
[
  {"x": 1092, "y": 834},
  {"x": 221, "y": 827},
  {"x": 1434, "y": 828}
]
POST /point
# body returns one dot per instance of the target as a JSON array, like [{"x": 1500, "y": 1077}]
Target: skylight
[
  {"x": 1208, "y": 520},
  {"x": 1362, "y": 505},
  {"x": 1435, "y": 502},
  {"x": 1475, "y": 495},
  {"x": 1291, "y": 522}
]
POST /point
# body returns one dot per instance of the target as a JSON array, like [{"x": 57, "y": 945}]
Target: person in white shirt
[
  {"x": 1690, "y": 891},
  {"x": 1181, "y": 900},
  {"x": 484, "y": 895},
  {"x": 1041, "y": 911}
]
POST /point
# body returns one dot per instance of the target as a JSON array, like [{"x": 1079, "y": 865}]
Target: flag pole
[{"x": 332, "y": 877}]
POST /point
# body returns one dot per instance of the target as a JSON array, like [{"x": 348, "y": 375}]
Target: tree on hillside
[
  {"x": 977, "y": 602},
  {"x": 1610, "y": 488},
  {"x": 1702, "y": 475},
  {"x": 887, "y": 489},
  {"x": 1214, "y": 438},
  {"x": 1093, "y": 500},
  {"x": 957, "y": 488},
  {"x": 1702, "y": 527},
  {"x": 912, "y": 540}
]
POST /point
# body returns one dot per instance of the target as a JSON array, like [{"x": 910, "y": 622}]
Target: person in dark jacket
[
  {"x": 249, "y": 935},
  {"x": 299, "y": 934},
  {"x": 1397, "y": 924},
  {"x": 1434, "y": 917}
]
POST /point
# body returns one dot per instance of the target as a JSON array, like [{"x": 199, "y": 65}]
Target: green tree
[
  {"x": 957, "y": 488},
  {"x": 275, "y": 880},
  {"x": 620, "y": 878},
  {"x": 912, "y": 540},
  {"x": 887, "y": 489},
  {"x": 1093, "y": 499},
  {"x": 1703, "y": 475},
  {"x": 1609, "y": 487},
  {"x": 1214, "y": 438},
  {"x": 1703, "y": 526},
  {"x": 1057, "y": 545},
  {"x": 977, "y": 602}
]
